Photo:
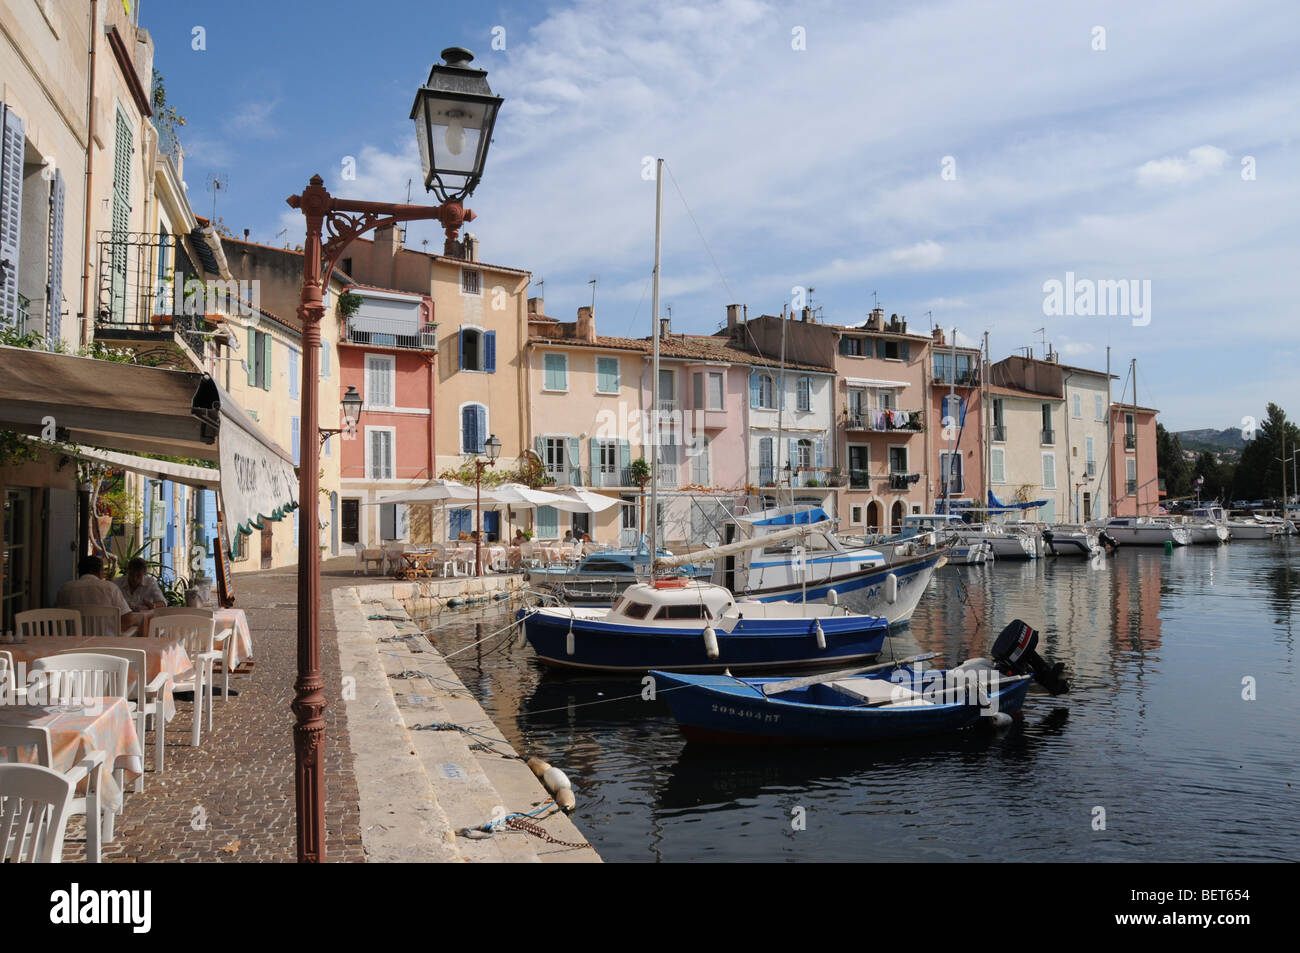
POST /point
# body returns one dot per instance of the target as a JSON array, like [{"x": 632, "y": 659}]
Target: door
[
  {"x": 268, "y": 550},
  {"x": 873, "y": 517},
  {"x": 1087, "y": 507},
  {"x": 896, "y": 517},
  {"x": 60, "y": 557},
  {"x": 351, "y": 521},
  {"x": 15, "y": 555},
  {"x": 492, "y": 526}
]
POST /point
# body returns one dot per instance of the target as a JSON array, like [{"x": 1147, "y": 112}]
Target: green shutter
[
  {"x": 593, "y": 453},
  {"x": 575, "y": 461},
  {"x": 266, "y": 361},
  {"x": 253, "y": 357}
]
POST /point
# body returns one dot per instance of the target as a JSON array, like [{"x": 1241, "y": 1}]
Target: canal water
[{"x": 1176, "y": 743}]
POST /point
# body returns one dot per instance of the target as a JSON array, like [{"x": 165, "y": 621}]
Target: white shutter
[
  {"x": 12, "y": 143},
  {"x": 997, "y": 466},
  {"x": 54, "y": 290}
]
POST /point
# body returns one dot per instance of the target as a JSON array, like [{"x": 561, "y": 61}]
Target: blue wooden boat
[
  {"x": 687, "y": 625},
  {"x": 884, "y": 702}
]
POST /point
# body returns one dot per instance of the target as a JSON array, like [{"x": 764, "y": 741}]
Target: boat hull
[
  {"x": 720, "y": 709},
  {"x": 752, "y": 645}
]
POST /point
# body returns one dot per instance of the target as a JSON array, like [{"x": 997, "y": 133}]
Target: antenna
[
  {"x": 875, "y": 301},
  {"x": 541, "y": 285},
  {"x": 1043, "y": 331},
  {"x": 592, "y": 282},
  {"x": 215, "y": 183},
  {"x": 283, "y": 231},
  {"x": 408, "y": 191},
  {"x": 930, "y": 315}
]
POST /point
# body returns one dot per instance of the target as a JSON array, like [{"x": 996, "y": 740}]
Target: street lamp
[
  {"x": 492, "y": 447},
  {"x": 351, "y": 414},
  {"x": 456, "y": 102}
]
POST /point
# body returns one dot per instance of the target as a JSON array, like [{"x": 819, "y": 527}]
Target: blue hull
[
  {"x": 759, "y": 644},
  {"x": 717, "y": 708}
]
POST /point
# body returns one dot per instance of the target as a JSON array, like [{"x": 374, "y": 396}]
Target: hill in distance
[{"x": 1216, "y": 441}]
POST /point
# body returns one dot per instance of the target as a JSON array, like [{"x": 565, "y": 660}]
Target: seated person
[
  {"x": 519, "y": 538},
  {"x": 140, "y": 589},
  {"x": 586, "y": 537},
  {"x": 91, "y": 589},
  {"x": 569, "y": 537}
]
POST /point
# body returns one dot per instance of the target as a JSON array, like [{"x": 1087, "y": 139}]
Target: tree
[
  {"x": 639, "y": 471},
  {"x": 1216, "y": 478},
  {"x": 1172, "y": 465},
  {"x": 1259, "y": 474}
]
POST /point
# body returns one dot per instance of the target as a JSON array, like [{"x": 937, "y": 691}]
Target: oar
[{"x": 775, "y": 688}]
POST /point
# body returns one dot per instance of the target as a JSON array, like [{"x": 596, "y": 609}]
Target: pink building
[{"x": 1134, "y": 474}]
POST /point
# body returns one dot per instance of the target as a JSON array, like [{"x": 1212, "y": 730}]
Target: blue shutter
[
  {"x": 490, "y": 358},
  {"x": 468, "y": 429},
  {"x": 54, "y": 292},
  {"x": 480, "y": 427},
  {"x": 295, "y": 439},
  {"x": 539, "y": 444},
  {"x": 765, "y": 459},
  {"x": 548, "y": 522},
  {"x": 460, "y": 348},
  {"x": 293, "y": 374},
  {"x": 819, "y": 453},
  {"x": 792, "y": 448},
  {"x": 755, "y": 392},
  {"x": 254, "y": 356},
  {"x": 12, "y": 146}
]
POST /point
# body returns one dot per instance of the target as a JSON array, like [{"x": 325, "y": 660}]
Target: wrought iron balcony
[
  {"x": 999, "y": 433},
  {"x": 903, "y": 481},
  {"x": 1130, "y": 441},
  {"x": 1048, "y": 437},
  {"x": 860, "y": 479},
  {"x": 885, "y": 421},
  {"x": 400, "y": 334}
]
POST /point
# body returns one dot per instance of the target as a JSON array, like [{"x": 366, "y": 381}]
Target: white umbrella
[
  {"x": 438, "y": 491},
  {"x": 577, "y": 499},
  {"x": 522, "y": 497}
]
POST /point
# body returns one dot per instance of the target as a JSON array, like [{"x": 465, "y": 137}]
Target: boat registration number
[{"x": 745, "y": 713}]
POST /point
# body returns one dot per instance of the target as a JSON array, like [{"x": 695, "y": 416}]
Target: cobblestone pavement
[{"x": 232, "y": 798}]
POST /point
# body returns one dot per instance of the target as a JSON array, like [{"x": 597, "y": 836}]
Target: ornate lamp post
[
  {"x": 454, "y": 114},
  {"x": 492, "y": 447},
  {"x": 351, "y": 414}
]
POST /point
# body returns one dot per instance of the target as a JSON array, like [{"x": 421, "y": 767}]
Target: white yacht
[
  {"x": 1145, "y": 531},
  {"x": 1249, "y": 526},
  {"x": 1070, "y": 539},
  {"x": 1207, "y": 524}
]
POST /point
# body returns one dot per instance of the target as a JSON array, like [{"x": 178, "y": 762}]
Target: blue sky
[{"x": 951, "y": 157}]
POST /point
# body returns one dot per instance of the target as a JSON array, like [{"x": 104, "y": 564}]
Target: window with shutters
[
  {"x": 1049, "y": 471},
  {"x": 553, "y": 456},
  {"x": 12, "y": 146},
  {"x": 121, "y": 222},
  {"x": 380, "y": 452},
  {"x": 293, "y": 374},
  {"x": 548, "y": 522},
  {"x": 700, "y": 461},
  {"x": 607, "y": 376},
  {"x": 478, "y": 350},
  {"x": 763, "y": 391},
  {"x": 950, "y": 479},
  {"x": 1099, "y": 406},
  {"x": 715, "y": 390},
  {"x": 852, "y": 347},
  {"x": 471, "y": 281},
  {"x": 804, "y": 394},
  {"x": 295, "y": 439},
  {"x": 473, "y": 427},
  {"x": 380, "y": 381},
  {"x": 1078, "y": 406},
  {"x": 607, "y": 452},
  {"x": 54, "y": 285},
  {"x": 997, "y": 465},
  {"x": 259, "y": 359},
  {"x": 555, "y": 372}
]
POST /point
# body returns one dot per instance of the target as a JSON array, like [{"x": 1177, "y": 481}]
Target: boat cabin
[{"x": 672, "y": 601}]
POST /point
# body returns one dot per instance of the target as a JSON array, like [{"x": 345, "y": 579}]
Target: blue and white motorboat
[
  {"x": 891, "y": 701},
  {"x": 681, "y": 624}
]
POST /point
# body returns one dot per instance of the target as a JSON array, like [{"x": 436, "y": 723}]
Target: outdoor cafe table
[
  {"x": 104, "y": 725},
  {"x": 161, "y": 655},
  {"x": 241, "y": 642}
]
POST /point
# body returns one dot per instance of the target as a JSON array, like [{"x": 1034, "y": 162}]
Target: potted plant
[{"x": 835, "y": 477}]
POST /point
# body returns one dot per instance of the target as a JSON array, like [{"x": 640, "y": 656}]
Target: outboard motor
[
  {"x": 1109, "y": 541},
  {"x": 1048, "y": 537},
  {"x": 1014, "y": 649}
]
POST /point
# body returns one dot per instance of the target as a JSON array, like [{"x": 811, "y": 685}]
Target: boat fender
[
  {"x": 891, "y": 588},
  {"x": 554, "y": 780},
  {"x": 818, "y": 634},
  {"x": 538, "y": 766},
  {"x": 710, "y": 642},
  {"x": 832, "y": 597},
  {"x": 1000, "y": 719},
  {"x": 569, "y": 645},
  {"x": 523, "y": 631}
]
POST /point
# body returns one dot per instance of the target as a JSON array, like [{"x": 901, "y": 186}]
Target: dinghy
[{"x": 893, "y": 700}]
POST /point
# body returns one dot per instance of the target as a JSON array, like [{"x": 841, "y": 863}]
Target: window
[
  {"x": 766, "y": 467},
  {"x": 761, "y": 391},
  {"x": 857, "y": 407},
  {"x": 1131, "y": 475},
  {"x": 951, "y": 477},
  {"x": 607, "y": 381},
  {"x": 1049, "y": 471},
  {"x": 394, "y": 521},
  {"x": 667, "y": 387},
  {"x": 803, "y": 391},
  {"x": 997, "y": 465},
  {"x": 885, "y": 400},
  {"x": 856, "y": 515},
  {"x": 1101, "y": 406},
  {"x": 804, "y": 454},
  {"x": 380, "y": 378},
  {"x": 293, "y": 374},
  {"x": 1078, "y": 406},
  {"x": 607, "y": 454},
  {"x": 852, "y": 347},
  {"x": 556, "y": 372},
  {"x": 700, "y": 461},
  {"x": 952, "y": 411},
  {"x": 1048, "y": 435},
  {"x": 999, "y": 420},
  {"x": 694, "y": 610},
  {"x": 473, "y": 427},
  {"x": 460, "y": 522},
  {"x": 897, "y": 459},
  {"x": 859, "y": 467},
  {"x": 325, "y": 446},
  {"x": 469, "y": 281},
  {"x": 636, "y": 610},
  {"x": 379, "y": 453},
  {"x": 892, "y": 350},
  {"x": 553, "y": 457},
  {"x": 715, "y": 390},
  {"x": 478, "y": 350},
  {"x": 1092, "y": 467},
  {"x": 259, "y": 359}
]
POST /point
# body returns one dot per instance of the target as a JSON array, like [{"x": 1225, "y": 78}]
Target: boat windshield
[
  {"x": 696, "y": 610},
  {"x": 636, "y": 610}
]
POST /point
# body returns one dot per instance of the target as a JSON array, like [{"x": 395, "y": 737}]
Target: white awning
[
  {"x": 872, "y": 382},
  {"x": 258, "y": 481},
  {"x": 209, "y": 478}
]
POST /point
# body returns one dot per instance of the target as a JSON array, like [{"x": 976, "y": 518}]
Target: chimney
[
  {"x": 805, "y": 315},
  {"x": 937, "y": 336},
  {"x": 388, "y": 242},
  {"x": 536, "y": 306},
  {"x": 471, "y": 246},
  {"x": 665, "y": 327},
  {"x": 586, "y": 329},
  {"x": 733, "y": 316},
  {"x": 877, "y": 320}
]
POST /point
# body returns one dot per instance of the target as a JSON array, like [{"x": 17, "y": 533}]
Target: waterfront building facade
[{"x": 1134, "y": 481}]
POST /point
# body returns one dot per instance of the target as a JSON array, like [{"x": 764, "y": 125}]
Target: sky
[{"x": 950, "y": 160}]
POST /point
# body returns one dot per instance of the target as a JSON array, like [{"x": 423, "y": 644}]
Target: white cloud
[
  {"x": 1200, "y": 162},
  {"x": 924, "y": 254}
]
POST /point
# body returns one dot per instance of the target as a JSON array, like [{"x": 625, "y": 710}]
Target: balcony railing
[
  {"x": 1048, "y": 437},
  {"x": 147, "y": 284},
  {"x": 883, "y": 421},
  {"x": 1092, "y": 468},
  {"x": 379, "y": 333},
  {"x": 24, "y": 311},
  {"x": 1130, "y": 441},
  {"x": 1130, "y": 486},
  {"x": 999, "y": 433},
  {"x": 806, "y": 477},
  {"x": 859, "y": 479}
]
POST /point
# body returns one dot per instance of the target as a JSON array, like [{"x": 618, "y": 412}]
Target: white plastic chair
[
  {"x": 36, "y": 623},
  {"x": 15, "y": 739},
  {"x": 103, "y": 622},
  {"x": 196, "y": 634},
  {"x": 34, "y": 806},
  {"x": 145, "y": 699},
  {"x": 223, "y": 639},
  {"x": 75, "y": 676},
  {"x": 7, "y": 672}
]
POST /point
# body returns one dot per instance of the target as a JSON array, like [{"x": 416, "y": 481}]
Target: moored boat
[
  {"x": 1145, "y": 531},
  {"x": 687, "y": 625}
]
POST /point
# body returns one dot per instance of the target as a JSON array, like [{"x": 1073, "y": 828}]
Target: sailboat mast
[
  {"x": 952, "y": 391},
  {"x": 654, "y": 372},
  {"x": 987, "y": 412}
]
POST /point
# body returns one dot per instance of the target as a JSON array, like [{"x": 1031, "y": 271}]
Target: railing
[
  {"x": 147, "y": 283},
  {"x": 1130, "y": 486},
  {"x": 797, "y": 478},
  {"x": 859, "y": 479},
  {"x": 1048, "y": 437},
  {"x": 1130, "y": 441},
  {"x": 395, "y": 334},
  {"x": 999, "y": 433},
  {"x": 168, "y": 143},
  {"x": 1092, "y": 469},
  {"x": 882, "y": 421},
  {"x": 24, "y": 310}
]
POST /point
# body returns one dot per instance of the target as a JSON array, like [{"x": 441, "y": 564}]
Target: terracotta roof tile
[{"x": 699, "y": 347}]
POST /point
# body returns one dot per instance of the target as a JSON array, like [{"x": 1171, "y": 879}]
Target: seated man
[
  {"x": 519, "y": 538},
  {"x": 91, "y": 589},
  {"x": 141, "y": 590}
]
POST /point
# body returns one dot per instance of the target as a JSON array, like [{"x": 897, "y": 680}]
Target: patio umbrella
[
  {"x": 577, "y": 499},
  {"x": 436, "y": 491}
]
